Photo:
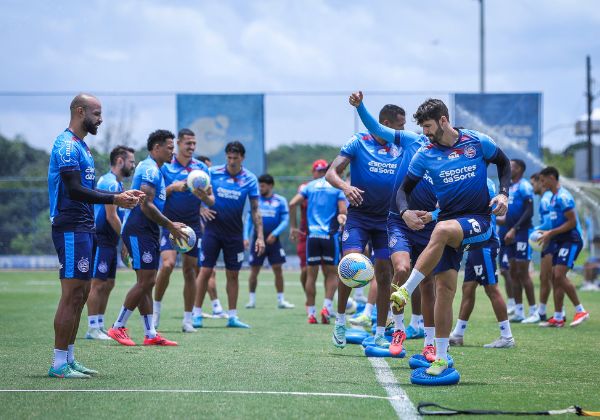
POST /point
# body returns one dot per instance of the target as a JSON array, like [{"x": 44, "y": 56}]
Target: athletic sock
[
  {"x": 368, "y": 311},
  {"x": 187, "y": 317},
  {"x": 414, "y": 321},
  {"x": 542, "y": 309},
  {"x": 197, "y": 311},
  {"x": 123, "y": 317},
  {"x": 441, "y": 348},
  {"x": 280, "y": 297},
  {"x": 358, "y": 293},
  {"x": 216, "y": 306},
  {"x": 379, "y": 330},
  {"x": 532, "y": 310},
  {"x": 460, "y": 328},
  {"x": 413, "y": 281},
  {"x": 157, "y": 305},
  {"x": 232, "y": 313},
  {"x": 310, "y": 310},
  {"x": 399, "y": 322},
  {"x": 60, "y": 358},
  {"x": 519, "y": 310},
  {"x": 421, "y": 321},
  {"x": 579, "y": 308},
  {"x": 252, "y": 298},
  {"x": 559, "y": 316},
  {"x": 340, "y": 319},
  {"x": 328, "y": 304},
  {"x": 563, "y": 313},
  {"x": 148, "y": 325},
  {"x": 93, "y": 321},
  {"x": 70, "y": 353},
  {"x": 511, "y": 303},
  {"x": 101, "y": 321},
  {"x": 505, "y": 329},
  {"x": 429, "y": 336}
]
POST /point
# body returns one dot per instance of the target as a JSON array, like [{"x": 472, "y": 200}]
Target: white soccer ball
[
  {"x": 355, "y": 270},
  {"x": 533, "y": 240},
  {"x": 198, "y": 179},
  {"x": 181, "y": 245}
]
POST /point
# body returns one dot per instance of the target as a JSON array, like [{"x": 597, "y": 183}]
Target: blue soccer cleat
[
  {"x": 234, "y": 322},
  {"x": 412, "y": 334},
  {"x": 197, "y": 321},
  {"x": 376, "y": 351}
]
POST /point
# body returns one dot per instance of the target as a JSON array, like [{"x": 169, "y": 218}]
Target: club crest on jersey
[
  {"x": 345, "y": 235},
  {"x": 393, "y": 241},
  {"x": 103, "y": 267},
  {"x": 83, "y": 265},
  {"x": 470, "y": 152},
  {"x": 147, "y": 257}
]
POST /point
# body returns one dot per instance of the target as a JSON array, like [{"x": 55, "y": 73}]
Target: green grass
[{"x": 548, "y": 368}]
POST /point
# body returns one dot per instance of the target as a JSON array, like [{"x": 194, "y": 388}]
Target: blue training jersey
[
  {"x": 231, "y": 192},
  {"x": 560, "y": 203},
  {"x": 105, "y": 234},
  {"x": 70, "y": 153},
  {"x": 459, "y": 173},
  {"x": 518, "y": 194},
  {"x": 147, "y": 172},
  {"x": 182, "y": 206},
  {"x": 275, "y": 215},
  {"x": 544, "y": 210},
  {"x": 322, "y": 209},
  {"x": 373, "y": 169}
]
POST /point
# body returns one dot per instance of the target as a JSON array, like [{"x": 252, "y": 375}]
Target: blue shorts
[
  {"x": 211, "y": 245},
  {"x": 566, "y": 252},
  {"x": 476, "y": 234},
  {"x": 360, "y": 230},
  {"x": 166, "y": 245},
  {"x": 323, "y": 250},
  {"x": 274, "y": 253},
  {"x": 504, "y": 262},
  {"x": 144, "y": 251},
  {"x": 74, "y": 250},
  {"x": 520, "y": 249},
  {"x": 404, "y": 239},
  {"x": 481, "y": 266},
  {"x": 105, "y": 262}
]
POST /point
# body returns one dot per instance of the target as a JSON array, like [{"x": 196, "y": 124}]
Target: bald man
[{"x": 71, "y": 188}]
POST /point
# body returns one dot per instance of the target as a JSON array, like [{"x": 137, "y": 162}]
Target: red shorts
[{"x": 301, "y": 251}]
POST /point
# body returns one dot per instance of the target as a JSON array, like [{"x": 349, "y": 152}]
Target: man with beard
[
  {"x": 71, "y": 183},
  {"x": 108, "y": 229}
]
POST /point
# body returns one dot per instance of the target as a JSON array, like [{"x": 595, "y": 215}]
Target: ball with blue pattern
[{"x": 355, "y": 270}]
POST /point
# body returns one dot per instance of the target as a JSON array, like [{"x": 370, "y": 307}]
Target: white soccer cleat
[
  {"x": 284, "y": 304},
  {"x": 516, "y": 318},
  {"x": 187, "y": 327},
  {"x": 456, "y": 340},
  {"x": 96, "y": 334},
  {"x": 250, "y": 305},
  {"x": 532, "y": 319},
  {"x": 501, "y": 343}
]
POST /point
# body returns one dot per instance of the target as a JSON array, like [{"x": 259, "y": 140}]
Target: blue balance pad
[{"x": 450, "y": 376}]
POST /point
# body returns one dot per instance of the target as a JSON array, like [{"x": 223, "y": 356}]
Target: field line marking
[
  {"x": 208, "y": 391},
  {"x": 397, "y": 396}
]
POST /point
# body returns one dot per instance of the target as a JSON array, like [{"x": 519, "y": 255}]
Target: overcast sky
[{"x": 228, "y": 46}]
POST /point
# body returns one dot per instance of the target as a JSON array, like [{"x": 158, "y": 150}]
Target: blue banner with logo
[
  {"x": 219, "y": 119},
  {"x": 513, "y": 120}
]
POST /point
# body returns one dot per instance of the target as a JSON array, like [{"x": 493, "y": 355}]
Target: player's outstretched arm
[
  {"x": 153, "y": 213},
  {"x": 259, "y": 244},
  {"x": 374, "y": 127},
  {"x": 333, "y": 176},
  {"x": 77, "y": 192}
]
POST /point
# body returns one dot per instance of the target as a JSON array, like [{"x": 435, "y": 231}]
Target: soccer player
[
  {"x": 404, "y": 244},
  {"x": 275, "y": 217},
  {"x": 481, "y": 269},
  {"x": 71, "y": 182},
  {"x": 182, "y": 205},
  {"x": 141, "y": 236},
  {"x": 565, "y": 238},
  {"x": 232, "y": 184},
  {"x": 108, "y": 219},
  {"x": 514, "y": 232},
  {"x": 325, "y": 213},
  {"x": 456, "y": 161}
]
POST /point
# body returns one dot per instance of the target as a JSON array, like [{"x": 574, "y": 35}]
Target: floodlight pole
[
  {"x": 481, "y": 48},
  {"x": 590, "y": 99}
]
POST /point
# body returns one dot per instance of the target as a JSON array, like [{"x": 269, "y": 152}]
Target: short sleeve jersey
[
  {"x": 231, "y": 192},
  {"x": 182, "y": 206},
  {"x": 272, "y": 210},
  {"x": 70, "y": 153},
  {"x": 518, "y": 194},
  {"x": 105, "y": 233},
  {"x": 146, "y": 173},
  {"x": 560, "y": 203},
  {"x": 373, "y": 167},
  {"x": 545, "y": 204},
  {"x": 322, "y": 209},
  {"x": 459, "y": 173}
]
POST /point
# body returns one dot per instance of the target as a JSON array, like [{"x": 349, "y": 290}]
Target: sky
[{"x": 289, "y": 50}]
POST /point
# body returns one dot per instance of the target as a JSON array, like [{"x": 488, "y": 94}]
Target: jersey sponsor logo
[
  {"x": 268, "y": 213},
  {"x": 163, "y": 194},
  {"x": 521, "y": 246},
  {"x": 228, "y": 194},
  {"x": 147, "y": 257},
  {"x": 428, "y": 178},
  {"x": 459, "y": 174},
  {"x": 103, "y": 267},
  {"x": 65, "y": 152},
  {"x": 382, "y": 167},
  {"x": 478, "y": 270},
  {"x": 453, "y": 155},
  {"x": 83, "y": 265},
  {"x": 345, "y": 235},
  {"x": 90, "y": 173},
  {"x": 563, "y": 252},
  {"x": 470, "y": 152}
]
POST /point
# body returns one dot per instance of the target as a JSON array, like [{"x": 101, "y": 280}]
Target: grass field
[{"x": 549, "y": 369}]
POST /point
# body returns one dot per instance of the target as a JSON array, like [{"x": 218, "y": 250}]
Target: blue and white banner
[
  {"x": 513, "y": 120},
  {"x": 219, "y": 119}
]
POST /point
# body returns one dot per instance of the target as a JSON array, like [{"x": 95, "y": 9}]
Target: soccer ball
[
  {"x": 198, "y": 179},
  {"x": 355, "y": 270},
  {"x": 181, "y": 245},
  {"x": 533, "y": 240}
]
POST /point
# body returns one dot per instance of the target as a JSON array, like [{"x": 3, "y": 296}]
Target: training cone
[
  {"x": 356, "y": 336},
  {"x": 374, "y": 351},
  {"x": 370, "y": 341},
  {"x": 418, "y": 361},
  {"x": 450, "y": 376}
]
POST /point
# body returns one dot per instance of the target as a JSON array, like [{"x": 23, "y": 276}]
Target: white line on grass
[
  {"x": 210, "y": 391},
  {"x": 397, "y": 397}
]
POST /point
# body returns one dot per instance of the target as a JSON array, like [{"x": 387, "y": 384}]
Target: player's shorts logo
[
  {"x": 393, "y": 241},
  {"x": 147, "y": 257},
  {"x": 163, "y": 241},
  {"x": 563, "y": 252},
  {"x": 83, "y": 265},
  {"x": 345, "y": 235},
  {"x": 240, "y": 257},
  {"x": 475, "y": 225},
  {"x": 521, "y": 246},
  {"x": 282, "y": 252},
  {"x": 470, "y": 152},
  {"x": 103, "y": 267},
  {"x": 478, "y": 270}
]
